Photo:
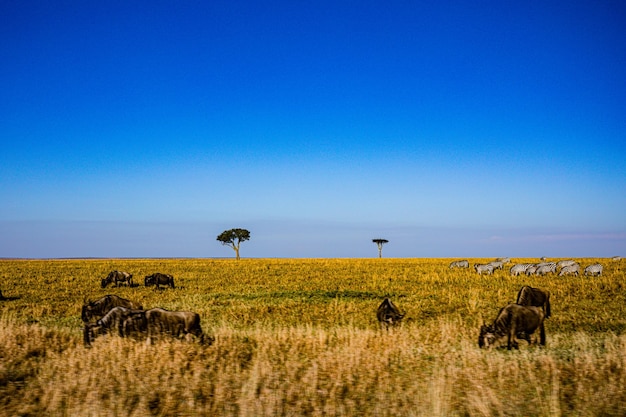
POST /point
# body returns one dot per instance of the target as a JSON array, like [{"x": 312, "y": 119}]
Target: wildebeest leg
[{"x": 542, "y": 335}]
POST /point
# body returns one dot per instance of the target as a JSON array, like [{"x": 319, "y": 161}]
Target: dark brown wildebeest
[
  {"x": 529, "y": 296},
  {"x": 99, "y": 308},
  {"x": 159, "y": 279},
  {"x": 513, "y": 321},
  {"x": 388, "y": 314},
  {"x": 172, "y": 323},
  {"x": 117, "y": 277},
  {"x": 115, "y": 322}
]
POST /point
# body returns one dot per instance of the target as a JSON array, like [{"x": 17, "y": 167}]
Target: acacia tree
[
  {"x": 380, "y": 243},
  {"x": 233, "y": 238}
]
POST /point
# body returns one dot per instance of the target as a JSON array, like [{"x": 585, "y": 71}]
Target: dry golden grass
[{"x": 299, "y": 337}]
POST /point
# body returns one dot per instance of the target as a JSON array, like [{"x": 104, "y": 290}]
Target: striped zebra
[
  {"x": 570, "y": 270},
  {"x": 496, "y": 264},
  {"x": 546, "y": 269},
  {"x": 568, "y": 262},
  {"x": 594, "y": 270},
  {"x": 617, "y": 258},
  {"x": 531, "y": 269},
  {"x": 459, "y": 264},
  {"x": 480, "y": 268},
  {"x": 504, "y": 260},
  {"x": 519, "y": 269}
]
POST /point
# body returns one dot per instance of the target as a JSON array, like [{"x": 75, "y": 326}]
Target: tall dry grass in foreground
[{"x": 300, "y": 338}]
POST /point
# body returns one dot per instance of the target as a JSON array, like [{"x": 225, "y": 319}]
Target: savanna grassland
[{"x": 300, "y": 338}]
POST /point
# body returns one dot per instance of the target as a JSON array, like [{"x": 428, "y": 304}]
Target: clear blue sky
[{"x": 452, "y": 129}]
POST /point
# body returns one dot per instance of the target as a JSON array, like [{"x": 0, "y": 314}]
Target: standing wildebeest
[
  {"x": 512, "y": 321},
  {"x": 594, "y": 270},
  {"x": 117, "y": 277},
  {"x": 114, "y": 322},
  {"x": 573, "y": 269},
  {"x": 388, "y": 314},
  {"x": 99, "y": 308},
  {"x": 459, "y": 264},
  {"x": 159, "y": 279},
  {"x": 529, "y": 296},
  {"x": 172, "y": 323},
  {"x": 480, "y": 268}
]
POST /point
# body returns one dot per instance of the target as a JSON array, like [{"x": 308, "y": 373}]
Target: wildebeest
[
  {"x": 594, "y": 270},
  {"x": 480, "y": 268},
  {"x": 388, "y": 314},
  {"x": 159, "y": 279},
  {"x": 117, "y": 277},
  {"x": 459, "y": 264},
  {"x": 513, "y": 321},
  {"x": 115, "y": 322},
  {"x": 99, "y": 308},
  {"x": 172, "y": 323},
  {"x": 573, "y": 269},
  {"x": 529, "y": 296}
]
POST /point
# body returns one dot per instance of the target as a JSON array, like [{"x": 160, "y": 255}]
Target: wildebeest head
[
  {"x": 388, "y": 314},
  {"x": 487, "y": 336}
]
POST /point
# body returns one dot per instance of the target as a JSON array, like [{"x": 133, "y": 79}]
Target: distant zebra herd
[{"x": 565, "y": 267}]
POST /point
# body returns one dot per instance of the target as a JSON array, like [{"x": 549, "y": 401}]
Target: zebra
[
  {"x": 496, "y": 264},
  {"x": 459, "y": 264},
  {"x": 546, "y": 268},
  {"x": 617, "y": 258},
  {"x": 562, "y": 264},
  {"x": 519, "y": 269},
  {"x": 594, "y": 270},
  {"x": 531, "y": 269},
  {"x": 480, "y": 268},
  {"x": 504, "y": 260},
  {"x": 570, "y": 269}
]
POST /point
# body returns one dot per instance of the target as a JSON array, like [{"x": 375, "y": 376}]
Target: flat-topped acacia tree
[
  {"x": 233, "y": 238},
  {"x": 380, "y": 243}
]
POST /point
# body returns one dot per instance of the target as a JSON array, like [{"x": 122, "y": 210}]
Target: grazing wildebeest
[
  {"x": 117, "y": 277},
  {"x": 573, "y": 269},
  {"x": 459, "y": 264},
  {"x": 172, "y": 323},
  {"x": 513, "y": 321},
  {"x": 480, "y": 268},
  {"x": 99, "y": 308},
  {"x": 529, "y": 296},
  {"x": 114, "y": 322},
  {"x": 388, "y": 314},
  {"x": 594, "y": 270},
  {"x": 159, "y": 279}
]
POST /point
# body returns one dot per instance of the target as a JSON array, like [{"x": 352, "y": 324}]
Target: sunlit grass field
[{"x": 300, "y": 337}]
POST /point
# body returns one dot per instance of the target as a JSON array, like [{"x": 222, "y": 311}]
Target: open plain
[{"x": 300, "y": 337}]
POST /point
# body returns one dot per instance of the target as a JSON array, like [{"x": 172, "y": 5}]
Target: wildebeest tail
[{"x": 548, "y": 313}]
